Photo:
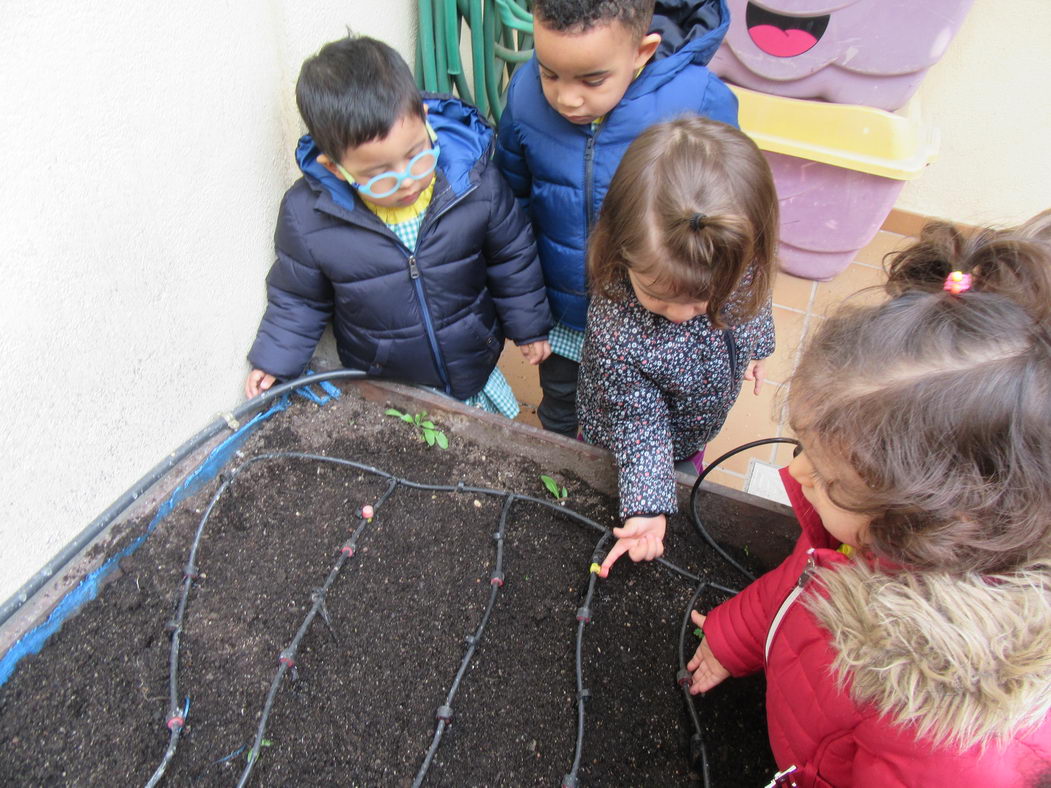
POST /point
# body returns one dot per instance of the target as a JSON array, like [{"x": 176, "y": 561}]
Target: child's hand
[
  {"x": 642, "y": 538},
  {"x": 756, "y": 371},
  {"x": 706, "y": 669},
  {"x": 535, "y": 352},
  {"x": 258, "y": 382}
]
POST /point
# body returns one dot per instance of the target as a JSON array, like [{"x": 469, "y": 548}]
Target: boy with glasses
[{"x": 402, "y": 233}]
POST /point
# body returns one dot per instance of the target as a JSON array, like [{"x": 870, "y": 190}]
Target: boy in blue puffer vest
[
  {"x": 603, "y": 71},
  {"x": 402, "y": 233}
]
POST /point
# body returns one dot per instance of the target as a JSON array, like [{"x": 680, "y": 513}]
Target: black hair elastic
[{"x": 697, "y": 221}]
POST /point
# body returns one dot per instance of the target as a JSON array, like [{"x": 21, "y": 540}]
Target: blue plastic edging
[{"x": 34, "y": 640}]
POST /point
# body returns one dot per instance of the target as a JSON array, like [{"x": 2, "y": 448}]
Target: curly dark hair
[
  {"x": 939, "y": 402},
  {"x": 580, "y": 15}
]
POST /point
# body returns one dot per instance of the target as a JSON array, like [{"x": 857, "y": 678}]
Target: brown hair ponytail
[
  {"x": 1015, "y": 263},
  {"x": 693, "y": 208}
]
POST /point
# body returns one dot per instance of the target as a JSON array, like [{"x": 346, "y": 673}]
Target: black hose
[{"x": 696, "y": 519}]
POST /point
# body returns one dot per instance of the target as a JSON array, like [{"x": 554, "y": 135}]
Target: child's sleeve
[
  {"x": 514, "y": 277},
  {"x": 510, "y": 155},
  {"x": 718, "y": 102},
  {"x": 299, "y": 305},
  {"x": 736, "y": 630},
  {"x": 763, "y": 325},
  {"x": 631, "y": 417}
]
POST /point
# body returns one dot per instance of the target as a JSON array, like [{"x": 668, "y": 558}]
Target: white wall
[
  {"x": 144, "y": 149},
  {"x": 990, "y": 98}
]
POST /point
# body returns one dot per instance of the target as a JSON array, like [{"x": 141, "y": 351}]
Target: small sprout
[
  {"x": 425, "y": 428},
  {"x": 698, "y": 633},
  {"x": 595, "y": 569},
  {"x": 559, "y": 493},
  {"x": 747, "y": 551}
]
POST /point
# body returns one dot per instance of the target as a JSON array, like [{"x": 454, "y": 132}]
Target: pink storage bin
[{"x": 870, "y": 52}]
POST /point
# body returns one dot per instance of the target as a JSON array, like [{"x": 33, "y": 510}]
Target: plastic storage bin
[
  {"x": 871, "y": 52},
  {"x": 838, "y": 169}
]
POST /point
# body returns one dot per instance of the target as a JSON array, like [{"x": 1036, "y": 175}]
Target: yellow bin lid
[{"x": 854, "y": 137}]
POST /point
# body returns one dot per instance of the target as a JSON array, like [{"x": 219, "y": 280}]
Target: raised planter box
[{"x": 355, "y": 690}]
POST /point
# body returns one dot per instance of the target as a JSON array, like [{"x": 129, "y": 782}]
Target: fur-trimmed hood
[{"x": 964, "y": 660}]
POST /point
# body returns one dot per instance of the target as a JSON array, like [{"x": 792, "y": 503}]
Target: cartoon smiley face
[{"x": 873, "y": 52}]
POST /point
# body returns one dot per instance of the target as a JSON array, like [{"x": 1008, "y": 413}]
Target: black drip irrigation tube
[
  {"x": 698, "y": 751},
  {"x": 177, "y": 716}
]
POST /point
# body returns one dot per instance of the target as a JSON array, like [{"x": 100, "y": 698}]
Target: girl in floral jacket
[
  {"x": 680, "y": 265},
  {"x": 907, "y": 639}
]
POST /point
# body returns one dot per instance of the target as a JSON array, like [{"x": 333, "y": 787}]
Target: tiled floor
[{"x": 798, "y": 305}]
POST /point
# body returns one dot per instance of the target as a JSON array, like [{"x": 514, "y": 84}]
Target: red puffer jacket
[{"x": 862, "y": 693}]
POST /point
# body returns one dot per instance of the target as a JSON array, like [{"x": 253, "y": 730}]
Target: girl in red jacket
[{"x": 907, "y": 639}]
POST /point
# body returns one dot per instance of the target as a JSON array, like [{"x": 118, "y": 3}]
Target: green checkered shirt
[{"x": 566, "y": 342}]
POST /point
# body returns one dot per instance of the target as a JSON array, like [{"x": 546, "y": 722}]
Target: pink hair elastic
[{"x": 957, "y": 282}]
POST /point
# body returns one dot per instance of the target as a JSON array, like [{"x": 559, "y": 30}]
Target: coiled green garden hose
[{"x": 499, "y": 30}]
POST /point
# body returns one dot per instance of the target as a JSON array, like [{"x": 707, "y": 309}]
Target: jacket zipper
[
  {"x": 589, "y": 179},
  {"x": 421, "y": 297},
  {"x": 731, "y": 352},
  {"x": 804, "y": 578},
  {"x": 428, "y": 324}
]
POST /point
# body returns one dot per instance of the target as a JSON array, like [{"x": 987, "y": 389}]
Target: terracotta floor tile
[
  {"x": 783, "y": 454},
  {"x": 793, "y": 292},
  {"x": 879, "y": 246},
  {"x": 523, "y": 376},
  {"x": 726, "y": 479},
  {"x": 789, "y": 328},
  {"x": 527, "y": 415},
  {"x": 750, "y": 419}
]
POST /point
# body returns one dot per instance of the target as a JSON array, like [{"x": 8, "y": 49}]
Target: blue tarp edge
[{"x": 34, "y": 640}]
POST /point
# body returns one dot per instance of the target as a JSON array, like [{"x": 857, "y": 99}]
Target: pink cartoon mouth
[{"x": 783, "y": 36}]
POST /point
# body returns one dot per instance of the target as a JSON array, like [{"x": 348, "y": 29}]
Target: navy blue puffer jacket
[
  {"x": 436, "y": 315},
  {"x": 561, "y": 171}
]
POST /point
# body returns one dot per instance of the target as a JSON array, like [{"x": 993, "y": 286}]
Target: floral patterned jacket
[{"x": 653, "y": 392}]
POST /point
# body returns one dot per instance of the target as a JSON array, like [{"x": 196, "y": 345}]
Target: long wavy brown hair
[
  {"x": 940, "y": 402},
  {"x": 692, "y": 208}
]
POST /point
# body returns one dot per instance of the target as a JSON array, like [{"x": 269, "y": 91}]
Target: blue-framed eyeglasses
[{"x": 386, "y": 183}]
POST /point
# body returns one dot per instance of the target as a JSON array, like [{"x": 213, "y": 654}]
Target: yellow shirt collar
[{"x": 402, "y": 213}]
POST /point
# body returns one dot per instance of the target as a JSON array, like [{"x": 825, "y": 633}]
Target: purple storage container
[
  {"x": 827, "y": 213},
  {"x": 871, "y": 52},
  {"x": 838, "y": 168}
]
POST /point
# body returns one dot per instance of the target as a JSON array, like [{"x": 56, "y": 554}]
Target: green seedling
[
  {"x": 253, "y": 754},
  {"x": 557, "y": 492},
  {"x": 425, "y": 428}
]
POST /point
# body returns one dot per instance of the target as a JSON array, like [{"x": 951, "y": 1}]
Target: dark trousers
[{"x": 558, "y": 407}]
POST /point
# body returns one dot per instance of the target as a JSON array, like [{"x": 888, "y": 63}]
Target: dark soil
[{"x": 359, "y": 708}]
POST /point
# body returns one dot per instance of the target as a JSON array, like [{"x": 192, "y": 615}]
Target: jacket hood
[
  {"x": 466, "y": 140},
  {"x": 965, "y": 660},
  {"x": 691, "y": 29}
]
